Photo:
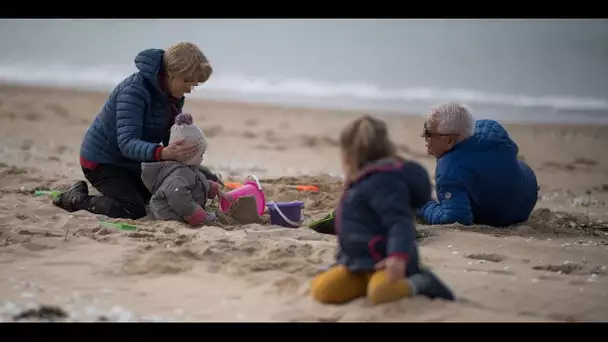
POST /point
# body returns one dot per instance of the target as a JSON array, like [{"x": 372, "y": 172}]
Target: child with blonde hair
[
  {"x": 377, "y": 253},
  {"x": 179, "y": 189}
]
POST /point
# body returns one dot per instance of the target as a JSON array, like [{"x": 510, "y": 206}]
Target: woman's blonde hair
[
  {"x": 364, "y": 141},
  {"x": 186, "y": 61}
]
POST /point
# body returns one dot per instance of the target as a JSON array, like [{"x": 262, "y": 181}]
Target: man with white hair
[{"x": 478, "y": 177}]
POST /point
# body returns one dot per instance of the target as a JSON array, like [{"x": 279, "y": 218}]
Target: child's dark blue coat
[{"x": 375, "y": 217}]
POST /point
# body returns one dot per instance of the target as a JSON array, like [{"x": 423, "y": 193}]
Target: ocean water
[{"x": 535, "y": 70}]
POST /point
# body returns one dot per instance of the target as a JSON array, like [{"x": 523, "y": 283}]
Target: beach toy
[
  {"x": 312, "y": 188},
  {"x": 324, "y": 225},
  {"x": 232, "y": 185},
  {"x": 286, "y": 214},
  {"x": 251, "y": 187},
  {"x": 52, "y": 193},
  {"x": 121, "y": 226}
]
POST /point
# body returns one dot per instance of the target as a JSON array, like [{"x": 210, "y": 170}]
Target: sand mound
[
  {"x": 562, "y": 223},
  {"x": 545, "y": 223},
  {"x": 317, "y": 203},
  {"x": 252, "y": 248},
  {"x": 160, "y": 262}
]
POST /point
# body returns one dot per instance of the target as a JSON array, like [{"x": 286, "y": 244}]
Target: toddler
[
  {"x": 179, "y": 189},
  {"x": 374, "y": 222}
]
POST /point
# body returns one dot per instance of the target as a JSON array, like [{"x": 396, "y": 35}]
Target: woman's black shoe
[{"x": 73, "y": 199}]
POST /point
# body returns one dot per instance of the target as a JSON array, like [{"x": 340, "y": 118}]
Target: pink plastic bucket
[{"x": 251, "y": 187}]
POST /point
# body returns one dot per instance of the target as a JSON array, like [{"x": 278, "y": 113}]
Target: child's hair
[{"x": 364, "y": 141}]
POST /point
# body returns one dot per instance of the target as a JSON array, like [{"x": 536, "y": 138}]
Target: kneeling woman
[
  {"x": 128, "y": 131},
  {"x": 374, "y": 222}
]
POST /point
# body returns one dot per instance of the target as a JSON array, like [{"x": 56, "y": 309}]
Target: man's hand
[
  {"x": 395, "y": 268},
  {"x": 178, "y": 151}
]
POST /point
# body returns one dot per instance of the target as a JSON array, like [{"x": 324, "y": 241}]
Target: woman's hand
[
  {"x": 178, "y": 151},
  {"x": 395, "y": 268}
]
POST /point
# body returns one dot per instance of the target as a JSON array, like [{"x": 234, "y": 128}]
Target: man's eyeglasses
[{"x": 428, "y": 134}]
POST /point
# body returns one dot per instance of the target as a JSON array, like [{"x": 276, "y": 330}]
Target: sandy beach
[{"x": 551, "y": 268}]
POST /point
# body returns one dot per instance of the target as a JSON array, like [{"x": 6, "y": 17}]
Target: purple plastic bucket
[{"x": 291, "y": 210}]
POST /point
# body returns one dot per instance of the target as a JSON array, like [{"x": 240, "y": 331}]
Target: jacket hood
[
  {"x": 154, "y": 174},
  {"x": 384, "y": 164},
  {"x": 489, "y": 134},
  {"x": 414, "y": 175},
  {"x": 149, "y": 62},
  {"x": 419, "y": 183}
]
